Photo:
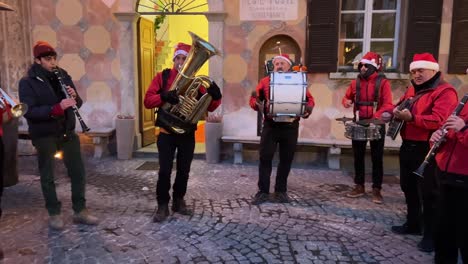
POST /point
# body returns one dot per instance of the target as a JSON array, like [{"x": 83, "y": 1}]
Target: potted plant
[
  {"x": 125, "y": 133},
  {"x": 213, "y": 133}
]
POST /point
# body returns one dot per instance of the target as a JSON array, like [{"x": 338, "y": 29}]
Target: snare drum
[
  {"x": 362, "y": 133},
  {"x": 287, "y": 94}
]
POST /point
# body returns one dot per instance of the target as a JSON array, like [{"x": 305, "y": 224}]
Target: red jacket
[
  {"x": 263, "y": 87},
  {"x": 451, "y": 156},
  {"x": 153, "y": 97},
  {"x": 2, "y": 113},
  {"x": 429, "y": 111},
  {"x": 385, "y": 101}
]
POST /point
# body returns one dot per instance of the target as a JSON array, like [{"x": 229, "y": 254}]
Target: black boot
[
  {"x": 162, "y": 213},
  {"x": 179, "y": 206}
]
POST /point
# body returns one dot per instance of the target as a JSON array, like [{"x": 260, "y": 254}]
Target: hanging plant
[{"x": 158, "y": 20}]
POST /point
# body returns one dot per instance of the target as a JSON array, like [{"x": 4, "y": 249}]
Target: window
[
  {"x": 368, "y": 25},
  {"x": 340, "y": 31}
]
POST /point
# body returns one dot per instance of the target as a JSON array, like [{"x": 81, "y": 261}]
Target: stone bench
[
  {"x": 100, "y": 137},
  {"x": 333, "y": 146}
]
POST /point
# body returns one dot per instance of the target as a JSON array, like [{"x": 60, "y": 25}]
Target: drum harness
[{"x": 374, "y": 103}]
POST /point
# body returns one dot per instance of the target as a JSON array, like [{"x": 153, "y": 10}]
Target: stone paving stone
[{"x": 320, "y": 225}]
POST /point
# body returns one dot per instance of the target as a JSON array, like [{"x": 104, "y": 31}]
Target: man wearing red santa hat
[
  {"x": 372, "y": 97},
  {"x": 168, "y": 142},
  {"x": 433, "y": 99},
  {"x": 276, "y": 132}
]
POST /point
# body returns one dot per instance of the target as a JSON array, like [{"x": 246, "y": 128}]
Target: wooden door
[{"x": 146, "y": 74}]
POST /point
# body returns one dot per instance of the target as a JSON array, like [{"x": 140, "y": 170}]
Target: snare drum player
[
  {"x": 433, "y": 101},
  {"x": 276, "y": 133},
  {"x": 371, "y": 96}
]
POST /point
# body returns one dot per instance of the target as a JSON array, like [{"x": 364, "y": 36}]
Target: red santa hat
[
  {"x": 181, "y": 48},
  {"x": 424, "y": 61},
  {"x": 373, "y": 59},
  {"x": 42, "y": 48},
  {"x": 284, "y": 57}
]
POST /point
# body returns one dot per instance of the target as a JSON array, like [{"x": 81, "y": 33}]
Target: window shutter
[
  {"x": 322, "y": 38},
  {"x": 458, "y": 57},
  {"x": 423, "y": 30}
]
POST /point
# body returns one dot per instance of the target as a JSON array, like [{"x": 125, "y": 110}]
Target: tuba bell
[
  {"x": 183, "y": 117},
  {"x": 17, "y": 109}
]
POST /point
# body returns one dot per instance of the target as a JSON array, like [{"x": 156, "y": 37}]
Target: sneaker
[
  {"x": 377, "y": 196},
  {"x": 84, "y": 217},
  {"x": 357, "y": 191},
  {"x": 179, "y": 206},
  {"x": 56, "y": 222},
  {"x": 281, "y": 197},
  {"x": 161, "y": 214},
  {"x": 260, "y": 198},
  {"x": 405, "y": 229},
  {"x": 426, "y": 245}
]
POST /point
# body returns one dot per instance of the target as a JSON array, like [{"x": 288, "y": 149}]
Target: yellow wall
[{"x": 179, "y": 26}]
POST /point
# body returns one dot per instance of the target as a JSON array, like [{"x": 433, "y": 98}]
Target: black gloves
[
  {"x": 170, "y": 97},
  {"x": 307, "y": 112},
  {"x": 214, "y": 91}
]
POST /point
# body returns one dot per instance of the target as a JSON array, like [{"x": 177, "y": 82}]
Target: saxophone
[{"x": 182, "y": 117}]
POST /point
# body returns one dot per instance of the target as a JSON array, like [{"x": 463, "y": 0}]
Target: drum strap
[{"x": 376, "y": 92}]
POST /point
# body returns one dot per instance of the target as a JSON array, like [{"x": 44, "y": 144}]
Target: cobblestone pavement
[{"x": 320, "y": 225}]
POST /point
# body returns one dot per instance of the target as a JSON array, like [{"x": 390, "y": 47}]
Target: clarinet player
[
  {"x": 51, "y": 120},
  {"x": 452, "y": 170}
]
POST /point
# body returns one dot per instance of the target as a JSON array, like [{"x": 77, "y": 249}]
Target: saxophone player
[
  {"x": 168, "y": 142},
  {"x": 435, "y": 100},
  {"x": 452, "y": 170},
  {"x": 51, "y": 123}
]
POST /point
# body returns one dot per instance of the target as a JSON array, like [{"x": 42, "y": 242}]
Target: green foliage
[{"x": 158, "y": 20}]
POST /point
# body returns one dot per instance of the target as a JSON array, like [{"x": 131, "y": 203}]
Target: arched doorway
[{"x": 162, "y": 24}]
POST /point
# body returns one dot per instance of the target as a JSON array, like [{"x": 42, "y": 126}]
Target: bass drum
[{"x": 287, "y": 94}]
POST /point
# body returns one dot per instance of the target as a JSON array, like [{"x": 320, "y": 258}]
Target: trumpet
[
  {"x": 17, "y": 109},
  {"x": 435, "y": 147}
]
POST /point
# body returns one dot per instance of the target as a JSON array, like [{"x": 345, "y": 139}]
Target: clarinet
[
  {"x": 436, "y": 145},
  {"x": 84, "y": 127}
]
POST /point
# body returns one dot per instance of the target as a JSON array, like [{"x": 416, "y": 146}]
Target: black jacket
[{"x": 41, "y": 93}]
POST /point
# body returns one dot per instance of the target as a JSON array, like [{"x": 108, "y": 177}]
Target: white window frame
[{"x": 366, "y": 40}]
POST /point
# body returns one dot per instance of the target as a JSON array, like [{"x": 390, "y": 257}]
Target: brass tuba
[{"x": 183, "y": 117}]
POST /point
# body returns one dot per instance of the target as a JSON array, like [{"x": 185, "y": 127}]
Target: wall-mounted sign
[{"x": 268, "y": 9}]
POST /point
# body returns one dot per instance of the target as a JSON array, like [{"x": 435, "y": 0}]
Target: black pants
[
  {"x": 167, "y": 145},
  {"x": 452, "y": 224},
  {"x": 377, "y": 149},
  {"x": 70, "y": 146},
  {"x": 285, "y": 135},
  {"x": 420, "y": 193}
]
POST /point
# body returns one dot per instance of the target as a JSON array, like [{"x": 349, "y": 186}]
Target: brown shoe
[
  {"x": 84, "y": 217},
  {"x": 377, "y": 196},
  {"x": 357, "y": 191},
  {"x": 56, "y": 222},
  {"x": 161, "y": 214}
]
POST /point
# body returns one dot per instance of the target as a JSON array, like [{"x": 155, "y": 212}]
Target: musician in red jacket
[
  {"x": 168, "y": 141},
  {"x": 282, "y": 132},
  {"x": 433, "y": 100},
  {"x": 452, "y": 170},
  {"x": 5, "y": 116},
  {"x": 372, "y": 96}
]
